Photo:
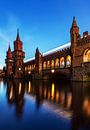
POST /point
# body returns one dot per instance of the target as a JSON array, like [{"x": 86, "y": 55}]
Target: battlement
[{"x": 84, "y": 39}]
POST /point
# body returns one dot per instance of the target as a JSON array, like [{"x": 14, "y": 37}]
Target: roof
[
  {"x": 62, "y": 47},
  {"x": 30, "y": 59}
]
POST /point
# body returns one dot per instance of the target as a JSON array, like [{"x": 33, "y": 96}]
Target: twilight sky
[{"x": 42, "y": 23}]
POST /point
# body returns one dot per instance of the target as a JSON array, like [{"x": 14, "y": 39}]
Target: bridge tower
[
  {"x": 38, "y": 64},
  {"x": 9, "y": 63},
  {"x": 80, "y": 52},
  {"x": 74, "y": 33},
  {"x": 18, "y": 57}
]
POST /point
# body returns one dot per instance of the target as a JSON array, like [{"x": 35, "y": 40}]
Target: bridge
[
  {"x": 56, "y": 61},
  {"x": 71, "y": 60}
]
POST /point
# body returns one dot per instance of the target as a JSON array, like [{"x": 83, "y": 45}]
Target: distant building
[{"x": 71, "y": 60}]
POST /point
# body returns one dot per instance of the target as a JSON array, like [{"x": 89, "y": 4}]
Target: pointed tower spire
[
  {"x": 18, "y": 37},
  {"x": 9, "y": 49},
  {"x": 74, "y": 23}
]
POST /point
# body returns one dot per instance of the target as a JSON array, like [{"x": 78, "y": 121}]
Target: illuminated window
[
  {"x": 30, "y": 67},
  {"x": 44, "y": 65},
  {"x": 57, "y": 62},
  {"x": 68, "y": 61},
  {"x": 62, "y": 62},
  {"x": 52, "y": 63},
  {"x": 86, "y": 56},
  {"x": 48, "y": 63}
]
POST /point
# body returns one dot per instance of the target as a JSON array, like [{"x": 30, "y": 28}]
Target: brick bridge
[
  {"x": 52, "y": 63},
  {"x": 71, "y": 60}
]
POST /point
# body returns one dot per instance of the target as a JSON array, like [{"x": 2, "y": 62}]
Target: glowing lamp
[
  {"x": 52, "y": 71},
  {"x": 29, "y": 72},
  {"x": 19, "y": 68}
]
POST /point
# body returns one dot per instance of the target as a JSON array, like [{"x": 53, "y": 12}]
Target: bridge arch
[
  {"x": 48, "y": 64},
  {"x": 86, "y": 55},
  {"x": 68, "y": 61},
  {"x": 52, "y": 63},
  {"x": 57, "y": 62},
  {"x": 44, "y": 65},
  {"x": 62, "y": 62}
]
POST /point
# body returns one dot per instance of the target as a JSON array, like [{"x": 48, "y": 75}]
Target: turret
[
  {"x": 74, "y": 31},
  {"x": 18, "y": 43},
  {"x": 18, "y": 57},
  {"x": 38, "y": 63},
  {"x": 9, "y": 62}
]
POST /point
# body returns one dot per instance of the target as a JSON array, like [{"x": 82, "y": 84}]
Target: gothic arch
[
  {"x": 44, "y": 65},
  {"x": 68, "y": 61},
  {"x": 86, "y": 55},
  {"x": 62, "y": 62},
  {"x": 56, "y": 62},
  {"x": 48, "y": 64},
  {"x": 52, "y": 63}
]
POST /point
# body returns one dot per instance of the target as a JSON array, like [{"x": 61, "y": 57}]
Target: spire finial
[
  {"x": 18, "y": 38},
  {"x": 74, "y": 23},
  {"x": 73, "y": 18},
  {"x": 9, "y": 49},
  {"x": 17, "y": 31}
]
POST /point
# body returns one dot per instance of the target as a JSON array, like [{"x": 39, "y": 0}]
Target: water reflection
[
  {"x": 15, "y": 95},
  {"x": 72, "y": 98}
]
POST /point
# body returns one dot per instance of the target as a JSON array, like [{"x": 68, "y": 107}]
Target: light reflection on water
[{"x": 51, "y": 104}]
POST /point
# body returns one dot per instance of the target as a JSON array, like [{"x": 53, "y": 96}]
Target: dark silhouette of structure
[{"x": 71, "y": 60}]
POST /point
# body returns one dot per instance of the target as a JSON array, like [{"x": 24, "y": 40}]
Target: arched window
[
  {"x": 48, "y": 64},
  {"x": 30, "y": 67},
  {"x": 52, "y": 63},
  {"x": 44, "y": 65},
  {"x": 86, "y": 56},
  {"x": 68, "y": 61},
  {"x": 57, "y": 62},
  {"x": 62, "y": 62}
]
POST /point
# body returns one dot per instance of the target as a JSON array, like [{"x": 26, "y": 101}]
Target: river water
[{"x": 44, "y": 105}]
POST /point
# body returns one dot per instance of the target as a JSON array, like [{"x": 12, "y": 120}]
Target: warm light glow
[
  {"x": 19, "y": 68},
  {"x": 29, "y": 72},
  {"x": 48, "y": 63},
  {"x": 57, "y": 62},
  {"x": 52, "y": 63},
  {"x": 52, "y": 71},
  {"x": 62, "y": 97},
  {"x": 69, "y": 100},
  {"x": 29, "y": 87},
  {"x": 86, "y": 106},
  {"x": 11, "y": 93},
  {"x": 68, "y": 61},
  {"x": 20, "y": 88},
  {"x": 44, "y": 65},
  {"x": 57, "y": 96},
  {"x": 52, "y": 91},
  {"x": 86, "y": 56},
  {"x": 62, "y": 62}
]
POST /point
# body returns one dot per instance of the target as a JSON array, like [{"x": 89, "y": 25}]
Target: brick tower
[
  {"x": 80, "y": 52},
  {"x": 18, "y": 57},
  {"x": 74, "y": 32},
  {"x": 38, "y": 64},
  {"x": 9, "y": 63}
]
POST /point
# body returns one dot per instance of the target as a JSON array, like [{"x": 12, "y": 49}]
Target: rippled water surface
[{"x": 44, "y": 105}]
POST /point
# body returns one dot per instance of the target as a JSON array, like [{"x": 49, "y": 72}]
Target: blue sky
[{"x": 42, "y": 23}]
